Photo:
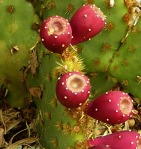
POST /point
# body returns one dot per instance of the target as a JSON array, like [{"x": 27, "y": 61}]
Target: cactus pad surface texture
[
  {"x": 16, "y": 39},
  {"x": 111, "y": 61}
]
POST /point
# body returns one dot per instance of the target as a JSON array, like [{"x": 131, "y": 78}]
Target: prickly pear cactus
[
  {"x": 110, "y": 60},
  {"x": 17, "y": 37}
]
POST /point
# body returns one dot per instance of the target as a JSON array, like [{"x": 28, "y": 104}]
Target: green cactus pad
[
  {"x": 99, "y": 51},
  {"x": 97, "y": 80},
  {"x": 17, "y": 37},
  {"x": 126, "y": 64},
  {"x": 54, "y": 124}
]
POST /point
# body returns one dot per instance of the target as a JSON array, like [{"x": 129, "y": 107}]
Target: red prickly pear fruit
[
  {"x": 118, "y": 140},
  {"x": 56, "y": 34},
  {"x": 113, "y": 107},
  {"x": 73, "y": 89},
  {"x": 100, "y": 147},
  {"x": 87, "y": 22}
]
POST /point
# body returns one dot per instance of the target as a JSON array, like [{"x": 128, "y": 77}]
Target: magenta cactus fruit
[
  {"x": 118, "y": 140},
  {"x": 113, "y": 107},
  {"x": 56, "y": 34},
  {"x": 73, "y": 89},
  {"x": 101, "y": 146},
  {"x": 87, "y": 22}
]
